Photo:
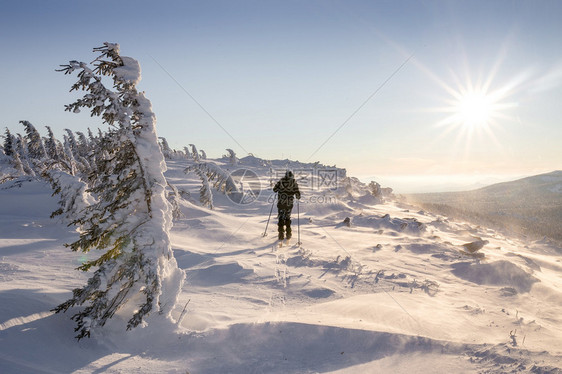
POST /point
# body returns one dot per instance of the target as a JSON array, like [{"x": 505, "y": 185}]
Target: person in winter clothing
[{"x": 287, "y": 189}]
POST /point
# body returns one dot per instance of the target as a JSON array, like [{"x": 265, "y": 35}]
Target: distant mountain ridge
[
  {"x": 549, "y": 182},
  {"x": 530, "y": 206}
]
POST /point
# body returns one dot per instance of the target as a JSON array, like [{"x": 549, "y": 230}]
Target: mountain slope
[{"x": 530, "y": 206}]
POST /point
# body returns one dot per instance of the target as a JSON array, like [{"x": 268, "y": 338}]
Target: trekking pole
[
  {"x": 298, "y": 223},
  {"x": 266, "y": 226}
]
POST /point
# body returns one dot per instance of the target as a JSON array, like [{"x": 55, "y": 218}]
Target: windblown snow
[{"x": 389, "y": 289}]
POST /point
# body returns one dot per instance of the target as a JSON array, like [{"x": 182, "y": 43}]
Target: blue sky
[{"x": 282, "y": 76}]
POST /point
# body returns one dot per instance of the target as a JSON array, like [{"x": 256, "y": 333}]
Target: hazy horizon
[{"x": 412, "y": 184}]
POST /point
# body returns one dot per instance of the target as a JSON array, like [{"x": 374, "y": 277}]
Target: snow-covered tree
[
  {"x": 35, "y": 146},
  {"x": 51, "y": 146},
  {"x": 91, "y": 137},
  {"x": 232, "y": 159},
  {"x": 173, "y": 197},
  {"x": 205, "y": 193},
  {"x": 203, "y": 154},
  {"x": 222, "y": 180},
  {"x": 24, "y": 163},
  {"x": 131, "y": 217},
  {"x": 10, "y": 167},
  {"x": 74, "y": 195},
  {"x": 70, "y": 139},
  {"x": 82, "y": 144},
  {"x": 10, "y": 163},
  {"x": 194, "y": 153},
  {"x": 165, "y": 147},
  {"x": 8, "y": 144}
]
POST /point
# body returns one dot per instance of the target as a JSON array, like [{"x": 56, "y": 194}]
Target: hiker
[{"x": 287, "y": 188}]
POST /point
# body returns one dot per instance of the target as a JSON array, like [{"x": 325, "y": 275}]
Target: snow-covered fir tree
[
  {"x": 174, "y": 197},
  {"x": 70, "y": 139},
  {"x": 222, "y": 180},
  {"x": 165, "y": 147},
  {"x": 73, "y": 192},
  {"x": 51, "y": 146},
  {"x": 69, "y": 156},
  {"x": 23, "y": 157},
  {"x": 205, "y": 193},
  {"x": 232, "y": 159},
  {"x": 131, "y": 218},
  {"x": 194, "y": 153},
  {"x": 8, "y": 144},
  {"x": 82, "y": 144},
  {"x": 35, "y": 149},
  {"x": 187, "y": 153}
]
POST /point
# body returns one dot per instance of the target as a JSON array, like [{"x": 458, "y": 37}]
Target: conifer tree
[
  {"x": 131, "y": 217},
  {"x": 187, "y": 153},
  {"x": 71, "y": 140},
  {"x": 51, "y": 145},
  {"x": 166, "y": 150},
  {"x": 35, "y": 147},
  {"x": 69, "y": 156},
  {"x": 23, "y": 161},
  {"x": 194, "y": 153},
  {"x": 205, "y": 193},
  {"x": 91, "y": 137},
  {"x": 8, "y": 143}
]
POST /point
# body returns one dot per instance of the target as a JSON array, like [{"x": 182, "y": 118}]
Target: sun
[
  {"x": 472, "y": 115},
  {"x": 474, "y": 109}
]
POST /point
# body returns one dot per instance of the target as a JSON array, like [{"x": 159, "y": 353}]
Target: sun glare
[
  {"x": 472, "y": 114},
  {"x": 474, "y": 109}
]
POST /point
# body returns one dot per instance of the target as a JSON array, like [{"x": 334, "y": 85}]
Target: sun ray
[{"x": 474, "y": 111}]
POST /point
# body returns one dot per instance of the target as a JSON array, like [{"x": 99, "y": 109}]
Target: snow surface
[{"x": 393, "y": 292}]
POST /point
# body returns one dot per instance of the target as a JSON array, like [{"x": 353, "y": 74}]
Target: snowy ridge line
[{"x": 17, "y": 321}]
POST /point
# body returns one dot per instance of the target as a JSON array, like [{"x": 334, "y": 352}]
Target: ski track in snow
[{"x": 395, "y": 291}]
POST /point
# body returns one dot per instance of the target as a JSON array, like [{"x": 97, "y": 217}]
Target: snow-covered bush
[{"x": 131, "y": 217}]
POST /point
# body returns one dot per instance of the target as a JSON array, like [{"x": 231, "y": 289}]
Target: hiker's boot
[
  {"x": 289, "y": 231},
  {"x": 281, "y": 235}
]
